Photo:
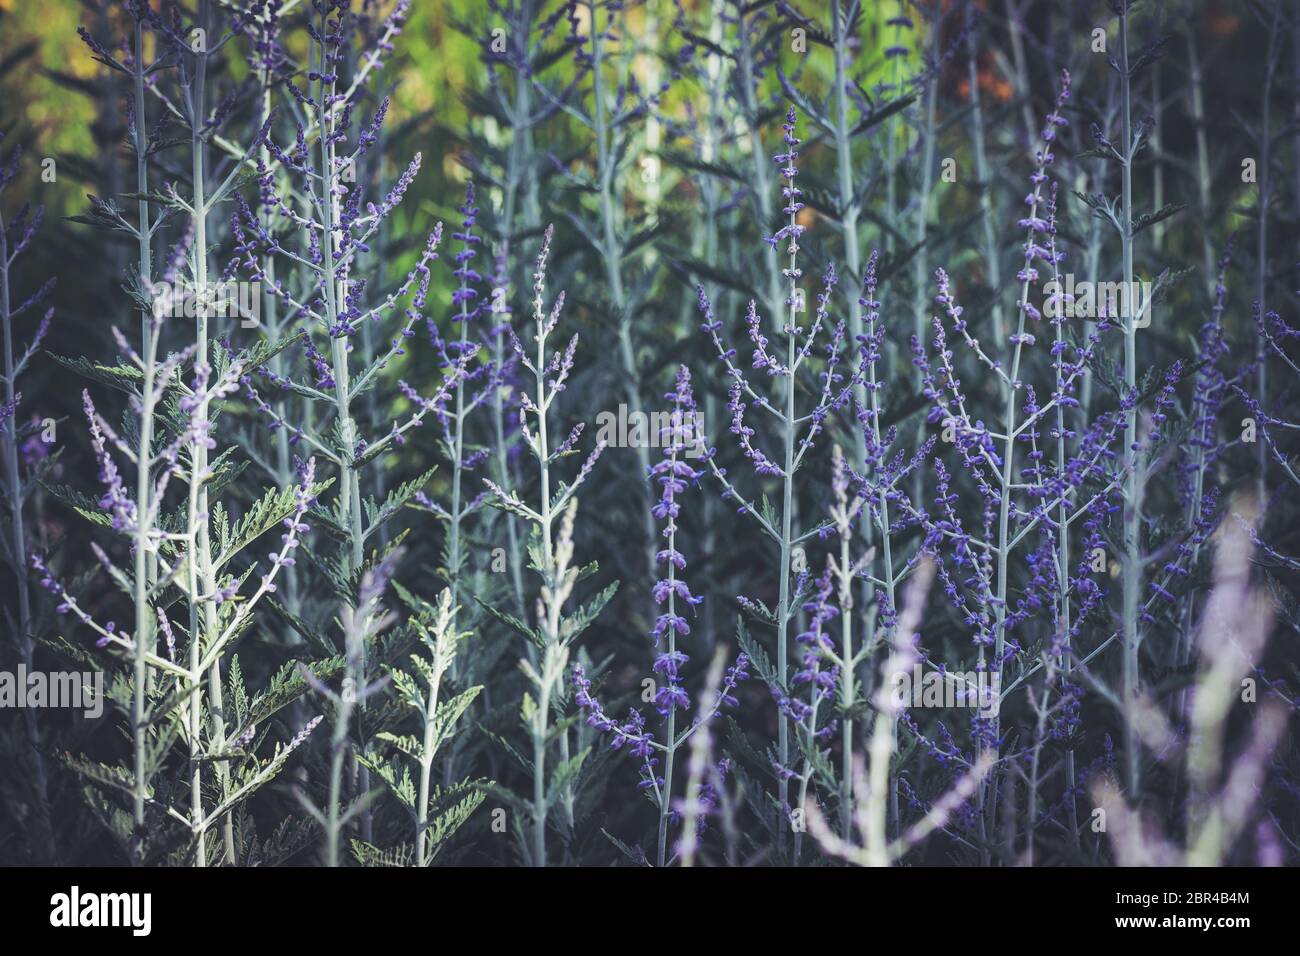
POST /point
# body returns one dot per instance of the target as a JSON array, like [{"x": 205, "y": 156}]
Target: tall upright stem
[
  {"x": 203, "y": 613},
  {"x": 550, "y": 623},
  {"x": 849, "y": 219},
  {"x": 349, "y": 479},
  {"x": 1261, "y": 265},
  {"x": 1132, "y": 478},
  {"x": 458, "y": 446},
  {"x": 921, "y": 226},
  {"x": 787, "y": 524},
  {"x": 886, "y": 527},
  {"x": 612, "y": 256},
  {"x": 666, "y": 792},
  {"x": 423, "y": 851}
]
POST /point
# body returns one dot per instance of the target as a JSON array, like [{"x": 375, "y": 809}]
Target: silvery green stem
[
  {"x": 849, "y": 213},
  {"x": 697, "y": 766},
  {"x": 353, "y": 683},
  {"x": 349, "y": 477},
  {"x": 1092, "y": 270},
  {"x": 202, "y": 604},
  {"x": 787, "y": 535},
  {"x": 880, "y": 751},
  {"x": 424, "y": 852},
  {"x": 670, "y": 752},
  {"x": 886, "y": 543},
  {"x": 1034, "y": 773},
  {"x": 1201, "y": 440},
  {"x": 1063, "y": 582},
  {"x": 142, "y": 185},
  {"x": 284, "y": 471},
  {"x": 144, "y": 558},
  {"x": 539, "y": 779},
  {"x": 516, "y": 162},
  {"x": 1264, "y": 189},
  {"x": 144, "y": 623},
  {"x": 1004, "y": 513},
  {"x": 1132, "y": 582},
  {"x": 612, "y": 256},
  {"x": 919, "y": 259},
  {"x": 848, "y": 687},
  {"x": 457, "y": 470},
  {"x": 193, "y": 585},
  {"x": 1006, "y": 480},
  {"x": 338, "y": 748},
  {"x": 550, "y": 623},
  {"x": 805, "y": 775},
  {"x": 145, "y": 229}
]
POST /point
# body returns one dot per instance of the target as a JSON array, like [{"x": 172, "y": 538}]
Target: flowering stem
[
  {"x": 1063, "y": 626},
  {"x": 284, "y": 472},
  {"x": 849, "y": 221},
  {"x": 890, "y": 581},
  {"x": 521, "y": 149},
  {"x": 1012, "y": 388},
  {"x": 202, "y": 603},
  {"x": 142, "y": 183},
  {"x": 787, "y": 538},
  {"x": 1261, "y": 258},
  {"x": 919, "y": 312},
  {"x": 550, "y": 584},
  {"x": 1132, "y": 480},
  {"x": 762, "y": 180},
  {"x": 349, "y": 479},
  {"x": 666, "y": 791},
  {"x": 458, "y": 438},
  {"x": 847, "y": 692},
  {"x": 144, "y": 230},
  {"x": 144, "y": 623}
]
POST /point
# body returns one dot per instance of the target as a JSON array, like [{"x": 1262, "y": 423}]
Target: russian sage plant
[
  {"x": 797, "y": 433},
  {"x": 551, "y": 554}
]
